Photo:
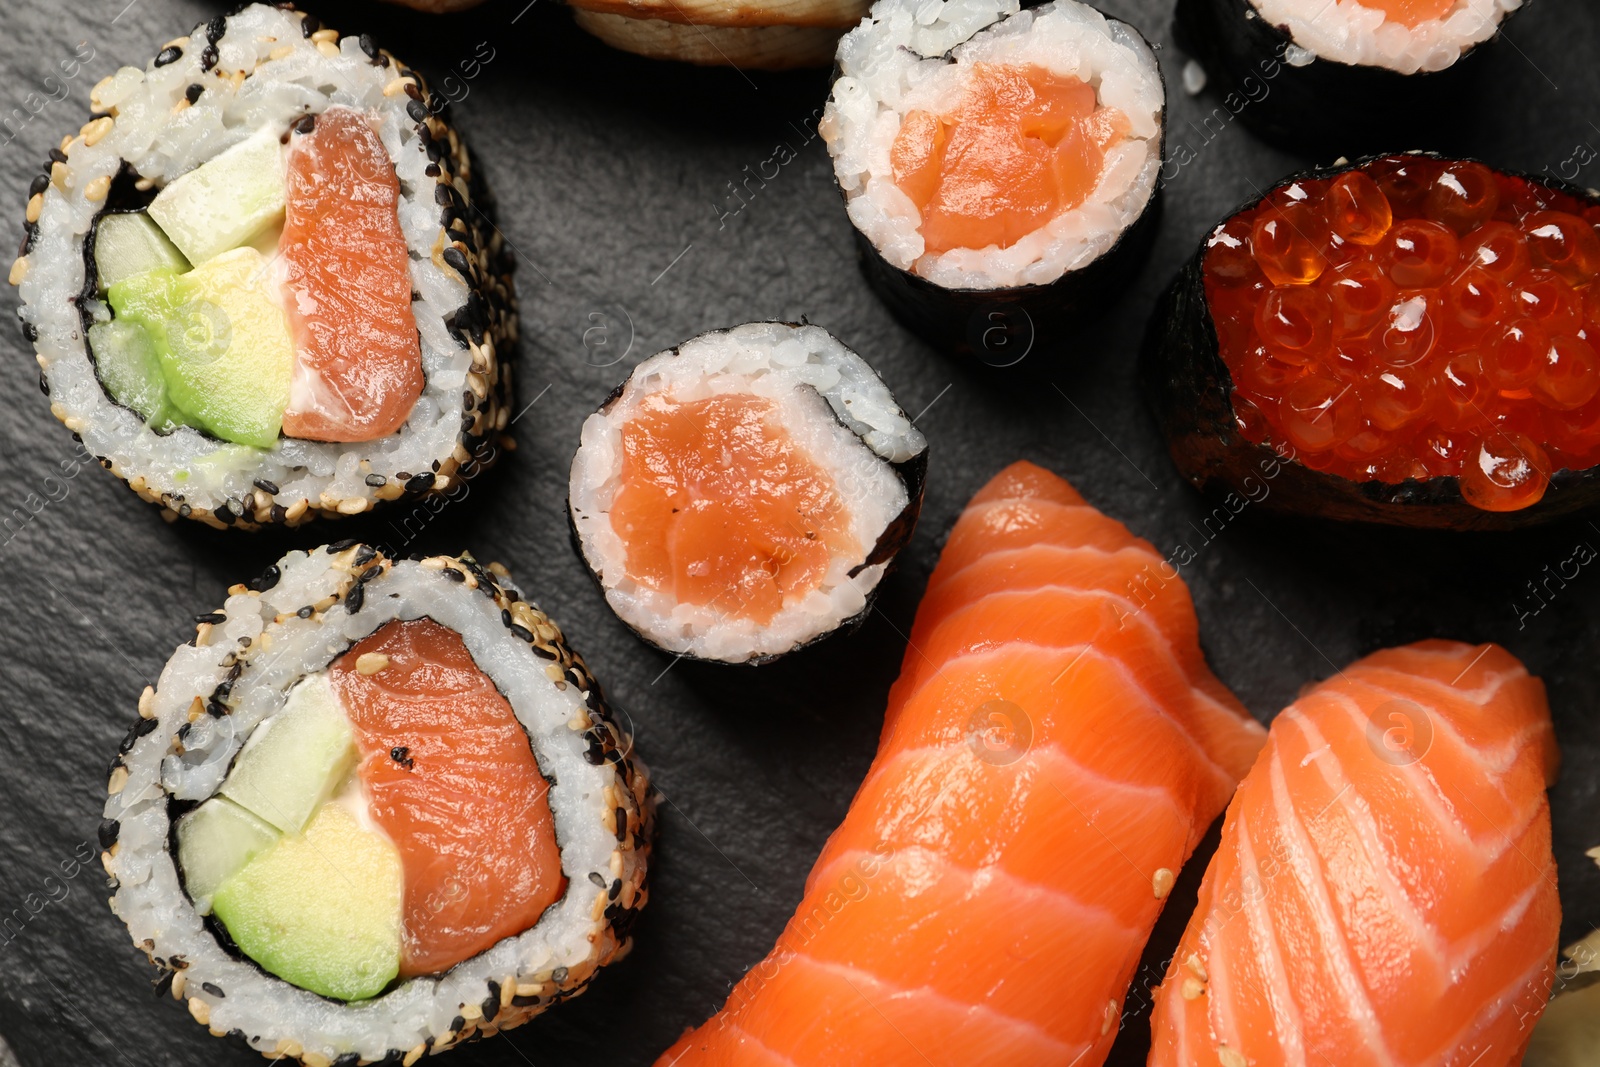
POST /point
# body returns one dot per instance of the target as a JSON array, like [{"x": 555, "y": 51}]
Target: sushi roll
[
  {"x": 1408, "y": 340},
  {"x": 743, "y": 494},
  {"x": 747, "y": 34},
  {"x": 999, "y": 165},
  {"x": 1345, "y": 75},
  {"x": 374, "y": 809},
  {"x": 258, "y": 284}
]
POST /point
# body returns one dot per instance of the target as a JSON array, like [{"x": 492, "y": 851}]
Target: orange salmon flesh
[
  {"x": 451, "y": 777},
  {"x": 1041, "y": 712},
  {"x": 1023, "y": 146},
  {"x": 347, "y": 286},
  {"x": 718, "y": 506}
]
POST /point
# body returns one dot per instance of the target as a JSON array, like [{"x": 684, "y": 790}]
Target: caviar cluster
[{"x": 1416, "y": 318}]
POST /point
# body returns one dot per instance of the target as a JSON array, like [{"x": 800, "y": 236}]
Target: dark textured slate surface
[{"x": 607, "y": 169}]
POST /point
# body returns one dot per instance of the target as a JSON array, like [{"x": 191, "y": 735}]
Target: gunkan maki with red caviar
[{"x": 1416, "y": 335}]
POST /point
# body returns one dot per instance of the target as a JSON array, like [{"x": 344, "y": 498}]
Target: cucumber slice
[
  {"x": 215, "y": 841},
  {"x": 295, "y": 760},
  {"x": 125, "y": 245},
  {"x": 125, "y": 360},
  {"x": 225, "y": 202}
]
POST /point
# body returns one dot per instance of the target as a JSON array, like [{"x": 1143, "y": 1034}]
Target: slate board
[{"x": 608, "y": 169}]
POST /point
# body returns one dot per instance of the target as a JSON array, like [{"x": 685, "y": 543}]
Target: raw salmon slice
[
  {"x": 719, "y": 506},
  {"x": 1050, "y": 758},
  {"x": 451, "y": 777},
  {"x": 1384, "y": 893},
  {"x": 347, "y": 285},
  {"x": 1023, "y": 146},
  {"x": 1412, "y": 12}
]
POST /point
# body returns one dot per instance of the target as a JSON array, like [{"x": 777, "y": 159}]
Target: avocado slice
[
  {"x": 321, "y": 910},
  {"x": 215, "y": 841},
  {"x": 295, "y": 760},
  {"x": 129, "y": 244},
  {"x": 222, "y": 340},
  {"x": 226, "y": 201}
]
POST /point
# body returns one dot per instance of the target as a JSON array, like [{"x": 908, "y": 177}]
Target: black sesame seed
[
  {"x": 369, "y": 46},
  {"x": 417, "y": 110},
  {"x": 339, "y": 546},
  {"x": 443, "y": 193},
  {"x": 454, "y": 575},
  {"x": 310, "y": 24},
  {"x": 453, "y": 257},
  {"x": 208, "y": 57},
  {"x": 44, "y": 384},
  {"x": 163, "y": 982},
  {"x": 170, "y": 54},
  {"x": 138, "y": 730},
  {"x": 212, "y": 989},
  {"x": 353, "y": 599},
  {"x": 544, "y": 653},
  {"x": 491, "y": 1004},
  {"x": 216, "y": 28},
  {"x": 109, "y": 829},
  {"x": 431, "y": 170},
  {"x": 593, "y": 757},
  {"x": 524, "y": 633},
  {"x": 421, "y": 483},
  {"x": 192, "y": 93},
  {"x": 185, "y": 510},
  {"x": 363, "y": 554},
  {"x": 216, "y": 710},
  {"x": 40, "y": 183},
  {"x": 306, "y": 124},
  {"x": 349, "y": 1059},
  {"x": 268, "y": 579},
  {"x": 376, "y": 480},
  {"x": 269, "y": 488},
  {"x": 622, "y": 825},
  {"x": 306, "y": 612},
  {"x": 558, "y": 975},
  {"x": 57, "y": 156},
  {"x": 225, "y": 515},
  {"x": 505, "y": 617},
  {"x": 615, "y": 890},
  {"x": 212, "y": 617},
  {"x": 370, "y": 573},
  {"x": 457, "y": 1023},
  {"x": 597, "y": 879}
]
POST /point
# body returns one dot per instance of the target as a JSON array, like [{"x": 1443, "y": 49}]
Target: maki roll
[
  {"x": 257, "y": 284},
  {"x": 748, "y": 34},
  {"x": 743, "y": 494},
  {"x": 374, "y": 809},
  {"x": 1347, "y": 75},
  {"x": 999, "y": 165},
  {"x": 1406, "y": 340}
]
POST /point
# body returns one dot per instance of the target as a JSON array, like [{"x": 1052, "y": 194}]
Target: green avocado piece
[
  {"x": 215, "y": 841},
  {"x": 129, "y": 244},
  {"x": 227, "y": 201},
  {"x": 125, "y": 360},
  {"x": 295, "y": 760},
  {"x": 222, "y": 340},
  {"x": 321, "y": 910}
]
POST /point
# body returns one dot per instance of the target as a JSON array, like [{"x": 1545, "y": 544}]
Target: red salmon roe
[{"x": 1416, "y": 318}]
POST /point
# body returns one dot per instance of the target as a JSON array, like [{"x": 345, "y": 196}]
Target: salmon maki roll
[
  {"x": 1384, "y": 892},
  {"x": 998, "y": 162},
  {"x": 379, "y": 808},
  {"x": 257, "y": 284},
  {"x": 743, "y": 495},
  {"x": 1053, "y": 750}
]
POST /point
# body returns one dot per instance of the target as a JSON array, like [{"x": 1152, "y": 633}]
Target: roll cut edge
[
  {"x": 1195, "y": 396},
  {"x": 1077, "y": 216},
  {"x": 234, "y": 727},
  {"x": 204, "y": 115},
  {"x": 743, "y": 495}
]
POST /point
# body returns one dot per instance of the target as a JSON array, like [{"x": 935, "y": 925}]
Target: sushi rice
[
  {"x": 839, "y": 414},
  {"x": 917, "y": 55},
  {"x": 235, "y": 676},
  {"x": 1348, "y": 32},
  {"x": 266, "y": 68}
]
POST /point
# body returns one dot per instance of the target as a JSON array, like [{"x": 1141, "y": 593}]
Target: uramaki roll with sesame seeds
[
  {"x": 258, "y": 283},
  {"x": 376, "y": 808}
]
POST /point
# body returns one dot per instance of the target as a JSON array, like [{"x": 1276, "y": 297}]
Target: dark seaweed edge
[
  {"x": 1356, "y": 107},
  {"x": 1189, "y": 391},
  {"x": 960, "y": 320},
  {"x": 913, "y": 474}
]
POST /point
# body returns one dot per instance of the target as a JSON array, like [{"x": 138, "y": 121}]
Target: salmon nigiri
[
  {"x": 1052, "y": 752},
  {"x": 1384, "y": 892}
]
